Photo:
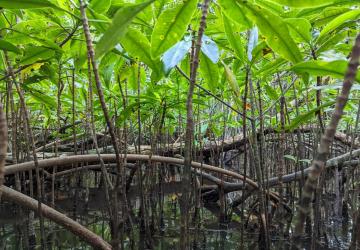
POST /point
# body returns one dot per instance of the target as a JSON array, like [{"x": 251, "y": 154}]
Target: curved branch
[
  {"x": 62, "y": 161},
  {"x": 53, "y": 215}
]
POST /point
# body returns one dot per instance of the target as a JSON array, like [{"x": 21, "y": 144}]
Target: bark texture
[
  {"x": 318, "y": 164},
  {"x": 3, "y": 144}
]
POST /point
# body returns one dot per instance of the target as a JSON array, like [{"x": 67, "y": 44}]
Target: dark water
[{"x": 209, "y": 235}]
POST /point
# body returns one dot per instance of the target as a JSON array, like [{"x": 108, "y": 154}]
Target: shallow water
[{"x": 91, "y": 211}]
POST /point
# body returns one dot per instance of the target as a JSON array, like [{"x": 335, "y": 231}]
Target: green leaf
[
  {"x": 275, "y": 31},
  {"x": 171, "y": 26},
  {"x": 43, "y": 41},
  {"x": 210, "y": 49},
  {"x": 4, "y": 45},
  {"x": 305, "y": 117},
  {"x": 331, "y": 41},
  {"x": 328, "y": 14},
  {"x": 252, "y": 43},
  {"x": 34, "y": 54},
  {"x": 136, "y": 43},
  {"x": 234, "y": 85},
  {"x": 100, "y": 6},
  {"x": 175, "y": 54},
  {"x": 209, "y": 71},
  {"x": 300, "y": 29},
  {"x": 26, "y": 4},
  {"x": 304, "y": 3},
  {"x": 118, "y": 27},
  {"x": 271, "y": 92},
  {"x": 270, "y": 67},
  {"x": 350, "y": 15},
  {"x": 42, "y": 98},
  {"x": 257, "y": 52},
  {"x": 79, "y": 53},
  {"x": 234, "y": 38},
  {"x": 334, "y": 69},
  {"x": 235, "y": 13},
  {"x": 290, "y": 157}
]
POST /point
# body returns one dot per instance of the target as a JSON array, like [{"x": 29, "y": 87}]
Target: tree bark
[
  {"x": 318, "y": 164},
  {"x": 3, "y": 145}
]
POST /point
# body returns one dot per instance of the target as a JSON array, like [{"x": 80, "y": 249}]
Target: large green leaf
[
  {"x": 34, "y": 54},
  {"x": 136, "y": 43},
  {"x": 327, "y": 15},
  {"x": 300, "y": 29},
  {"x": 234, "y": 12},
  {"x": 274, "y": 29},
  {"x": 171, "y": 26},
  {"x": 304, "y": 3},
  {"x": 350, "y": 15},
  {"x": 40, "y": 97},
  {"x": 100, "y": 6},
  {"x": 118, "y": 27},
  {"x": 26, "y": 4},
  {"x": 334, "y": 69},
  {"x": 305, "y": 117},
  {"x": 331, "y": 41},
  {"x": 234, "y": 85},
  {"x": 209, "y": 71},
  {"x": 175, "y": 54},
  {"x": 271, "y": 92},
  {"x": 4, "y": 45},
  {"x": 234, "y": 38},
  {"x": 271, "y": 67},
  {"x": 210, "y": 49}
]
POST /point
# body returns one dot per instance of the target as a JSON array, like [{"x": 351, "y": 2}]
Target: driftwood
[{"x": 59, "y": 218}]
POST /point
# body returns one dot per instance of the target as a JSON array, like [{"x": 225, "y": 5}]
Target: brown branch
[
  {"x": 189, "y": 133},
  {"x": 53, "y": 215},
  {"x": 3, "y": 144},
  {"x": 68, "y": 160},
  {"x": 211, "y": 94}
]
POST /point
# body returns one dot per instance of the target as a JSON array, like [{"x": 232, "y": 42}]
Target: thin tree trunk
[
  {"x": 318, "y": 164},
  {"x": 3, "y": 144},
  {"x": 189, "y": 134}
]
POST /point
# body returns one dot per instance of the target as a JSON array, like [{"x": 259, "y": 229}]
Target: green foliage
[
  {"x": 118, "y": 27},
  {"x": 175, "y": 54},
  {"x": 171, "y": 26},
  {"x": 4, "y": 45},
  {"x": 139, "y": 46},
  {"x": 283, "y": 45},
  {"x": 304, "y": 3},
  {"x": 234, "y": 38},
  {"x": 335, "y": 69},
  {"x": 300, "y": 29},
  {"x": 305, "y": 117},
  {"x": 275, "y": 31},
  {"x": 338, "y": 21},
  {"x": 209, "y": 71},
  {"x": 25, "y": 4},
  {"x": 33, "y": 54},
  {"x": 236, "y": 14},
  {"x": 100, "y": 6}
]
